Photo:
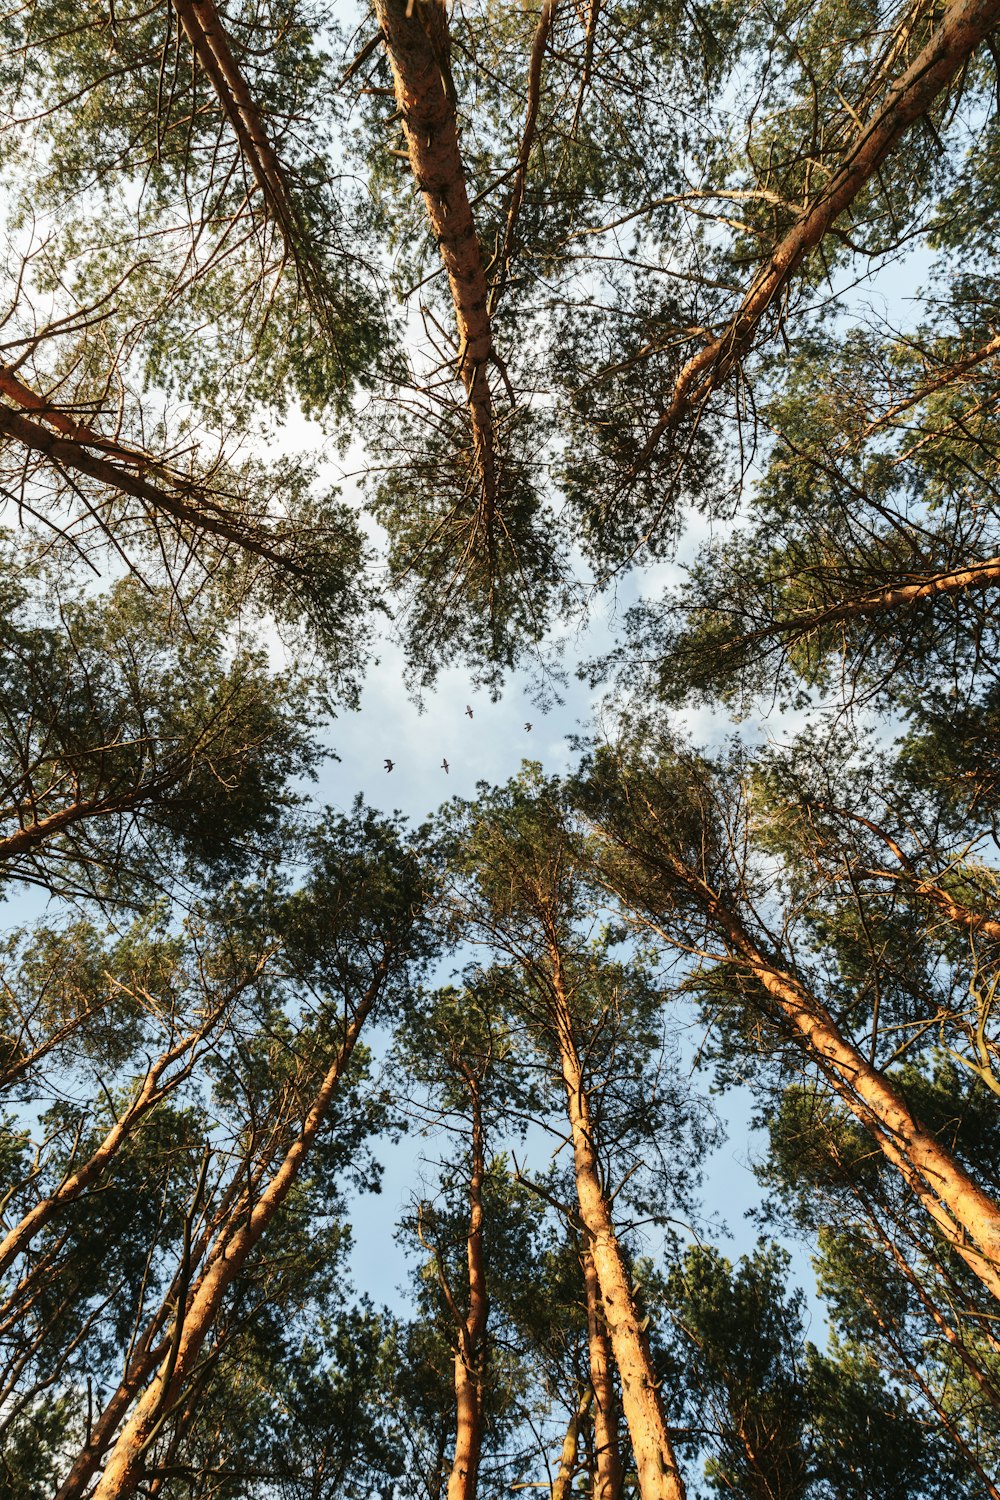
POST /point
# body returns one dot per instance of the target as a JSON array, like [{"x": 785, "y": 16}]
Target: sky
[{"x": 491, "y": 746}]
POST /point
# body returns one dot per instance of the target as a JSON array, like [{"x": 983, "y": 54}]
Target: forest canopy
[{"x": 442, "y": 331}]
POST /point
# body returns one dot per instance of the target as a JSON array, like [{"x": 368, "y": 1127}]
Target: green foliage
[
  {"x": 779, "y": 1419},
  {"x": 136, "y": 739}
]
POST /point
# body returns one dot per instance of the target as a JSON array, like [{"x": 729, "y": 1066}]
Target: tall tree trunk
[
  {"x": 567, "y": 1458},
  {"x": 210, "y": 44},
  {"x": 418, "y": 44},
  {"x": 607, "y": 1457},
  {"x": 151, "y": 1093},
  {"x": 966, "y": 1215},
  {"x": 469, "y": 1354},
  {"x": 658, "y": 1474},
  {"x": 959, "y": 1207},
  {"x": 197, "y": 1312}
]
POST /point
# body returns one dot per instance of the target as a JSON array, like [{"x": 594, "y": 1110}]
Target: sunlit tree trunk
[
  {"x": 963, "y": 26},
  {"x": 607, "y": 1458},
  {"x": 562, "y": 1484},
  {"x": 418, "y": 45},
  {"x": 197, "y": 1313},
  {"x": 152, "y": 1091},
  {"x": 658, "y": 1474},
  {"x": 959, "y": 1207},
  {"x": 469, "y": 1354},
  {"x": 965, "y": 1214}
]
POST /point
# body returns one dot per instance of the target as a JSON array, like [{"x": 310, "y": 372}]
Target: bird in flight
[
  {"x": 468, "y": 711},
  {"x": 445, "y": 765},
  {"x": 389, "y": 764},
  {"x": 528, "y": 727}
]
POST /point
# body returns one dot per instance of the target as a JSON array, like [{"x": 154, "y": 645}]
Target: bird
[
  {"x": 445, "y": 765},
  {"x": 468, "y": 711},
  {"x": 527, "y": 727},
  {"x": 389, "y": 764}
]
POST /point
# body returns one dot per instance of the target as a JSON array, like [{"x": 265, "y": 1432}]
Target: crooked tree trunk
[
  {"x": 418, "y": 44},
  {"x": 469, "y": 1354},
  {"x": 19, "y": 394},
  {"x": 566, "y": 1472},
  {"x": 124, "y": 1469},
  {"x": 607, "y": 1457},
  {"x": 962, "y": 916},
  {"x": 964, "y": 25},
  {"x": 32, "y": 834},
  {"x": 656, "y": 1467}
]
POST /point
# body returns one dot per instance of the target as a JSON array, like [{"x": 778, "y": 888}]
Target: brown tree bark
[
  {"x": 966, "y": 1216},
  {"x": 207, "y": 35},
  {"x": 959, "y": 1207},
  {"x": 196, "y": 1315},
  {"x": 21, "y": 395},
  {"x": 567, "y": 1458},
  {"x": 33, "y": 834},
  {"x": 418, "y": 44},
  {"x": 658, "y": 1474},
  {"x": 964, "y": 25},
  {"x": 472, "y": 1329},
  {"x": 977, "y": 575},
  {"x": 150, "y": 1353},
  {"x": 607, "y": 1456}
]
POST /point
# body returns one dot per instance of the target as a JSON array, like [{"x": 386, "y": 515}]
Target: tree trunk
[
  {"x": 210, "y": 44},
  {"x": 958, "y": 1206},
  {"x": 206, "y": 515},
  {"x": 74, "y": 1183},
  {"x": 469, "y": 1354},
  {"x": 125, "y": 1467},
  {"x": 656, "y": 1466},
  {"x": 964, "y": 25},
  {"x": 977, "y": 575},
  {"x": 567, "y": 1458},
  {"x": 418, "y": 45},
  {"x": 152, "y": 1092},
  {"x": 607, "y": 1458}
]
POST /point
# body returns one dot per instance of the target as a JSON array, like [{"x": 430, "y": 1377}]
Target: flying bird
[
  {"x": 528, "y": 728},
  {"x": 468, "y": 711},
  {"x": 389, "y": 764},
  {"x": 445, "y": 765}
]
